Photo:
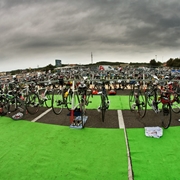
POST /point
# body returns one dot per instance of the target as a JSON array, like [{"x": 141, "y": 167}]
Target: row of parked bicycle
[
  {"x": 55, "y": 94},
  {"x": 60, "y": 93},
  {"x": 163, "y": 97}
]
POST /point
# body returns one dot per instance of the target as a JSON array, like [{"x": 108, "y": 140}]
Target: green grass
[{"x": 41, "y": 151}]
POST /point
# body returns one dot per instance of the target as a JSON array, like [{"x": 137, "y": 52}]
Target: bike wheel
[
  {"x": 83, "y": 115},
  {"x": 132, "y": 104},
  {"x": 57, "y": 102},
  {"x": 68, "y": 100},
  {"x": 141, "y": 105},
  {"x": 48, "y": 101},
  {"x": 32, "y": 103},
  {"x": 5, "y": 106},
  {"x": 175, "y": 106},
  {"x": 149, "y": 97},
  {"x": 103, "y": 107},
  {"x": 12, "y": 104},
  {"x": 166, "y": 115},
  {"x": 20, "y": 110}
]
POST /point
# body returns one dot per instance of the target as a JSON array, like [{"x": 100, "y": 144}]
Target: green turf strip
[
  {"x": 117, "y": 102},
  {"x": 40, "y": 151},
  {"x": 155, "y": 158}
]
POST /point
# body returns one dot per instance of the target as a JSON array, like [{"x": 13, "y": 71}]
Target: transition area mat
[
  {"x": 41, "y": 151},
  {"x": 155, "y": 158}
]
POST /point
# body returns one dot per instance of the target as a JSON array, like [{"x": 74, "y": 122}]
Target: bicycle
[
  {"x": 154, "y": 97},
  {"x": 13, "y": 101},
  {"x": 38, "y": 96},
  {"x": 105, "y": 102},
  {"x": 81, "y": 98},
  {"x": 32, "y": 100},
  {"x": 170, "y": 102},
  {"x": 45, "y": 95},
  {"x": 173, "y": 96},
  {"x": 137, "y": 100},
  {"x": 61, "y": 98},
  {"x": 4, "y": 102},
  {"x": 152, "y": 94}
]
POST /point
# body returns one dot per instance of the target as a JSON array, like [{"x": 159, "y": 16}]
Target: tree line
[
  {"x": 170, "y": 63},
  {"x": 153, "y": 63}
]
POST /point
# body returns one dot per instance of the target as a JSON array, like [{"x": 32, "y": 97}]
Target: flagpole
[{"x": 91, "y": 58}]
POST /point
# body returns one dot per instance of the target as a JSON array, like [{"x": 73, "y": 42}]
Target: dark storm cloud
[
  {"x": 42, "y": 26},
  {"x": 161, "y": 22}
]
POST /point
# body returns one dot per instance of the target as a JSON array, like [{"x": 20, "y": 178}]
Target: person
[{"x": 120, "y": 68}]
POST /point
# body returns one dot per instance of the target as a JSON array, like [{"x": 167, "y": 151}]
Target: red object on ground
[
  {"x": 112, "y": 92},
  {"x": 95, "y": 92},
  {"x": 72, "y": 116}
]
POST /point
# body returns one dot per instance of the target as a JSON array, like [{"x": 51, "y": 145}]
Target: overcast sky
[{"x": 33, "y": 33}]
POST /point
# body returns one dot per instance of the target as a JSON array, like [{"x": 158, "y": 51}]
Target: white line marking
[
  {"x": 120, "y": 119},
  {"x": 41, "y": 115},
  {"x": 122, "y": 126}
]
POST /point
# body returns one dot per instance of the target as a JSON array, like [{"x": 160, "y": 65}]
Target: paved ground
[{"x": 131, "y": 119}]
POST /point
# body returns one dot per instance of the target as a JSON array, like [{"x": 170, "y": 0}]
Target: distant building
[{"x": 58, "y": 63}]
